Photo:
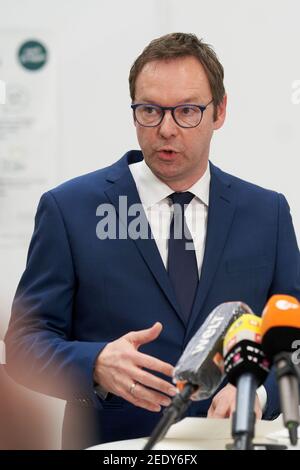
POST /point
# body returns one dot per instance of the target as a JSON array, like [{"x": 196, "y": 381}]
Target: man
[{"x": 101, "y": 321}]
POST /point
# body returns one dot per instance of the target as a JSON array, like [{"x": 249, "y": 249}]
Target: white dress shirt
[{"x": 159, "y": 210}]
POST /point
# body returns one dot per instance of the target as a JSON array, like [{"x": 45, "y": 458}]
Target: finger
[
  {"x": 124, "y": 390},
  {"x": 152, "y": 363},
  {"x": 139, "y": 395},
  {"x": 140, "y": 402},
  {"x": 220, "y": 414},
  {"x": 137, "y": 338},
  {"x": 150, "y": 380},
  {"x": 145, "y": 398},
  {"x": 220, "y": 411},
  {"x": 143, "y": 393}
]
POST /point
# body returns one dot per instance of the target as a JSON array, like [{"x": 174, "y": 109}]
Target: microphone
[
  {"x": 246, "y": 367},
  {"x": 199, "y": 371},
  {"x": 280, "y": 328},
  {"x": 201, "y": 363}
]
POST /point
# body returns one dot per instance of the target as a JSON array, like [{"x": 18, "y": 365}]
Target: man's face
[{"x": 171, "y": 83}]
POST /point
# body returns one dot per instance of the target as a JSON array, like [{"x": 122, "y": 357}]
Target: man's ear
[{"x": 221, "y": 113}]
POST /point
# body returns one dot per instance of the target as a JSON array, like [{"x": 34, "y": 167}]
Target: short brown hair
[{"x": 175, "y": 45}]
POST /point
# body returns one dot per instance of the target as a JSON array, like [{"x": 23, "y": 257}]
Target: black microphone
[
  {"x": 246, "y": 367},
  {"x": 280, "y": 328},
  {"x": 200, "y": 369}
]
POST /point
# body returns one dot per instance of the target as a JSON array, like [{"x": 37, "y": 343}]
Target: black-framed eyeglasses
[{"x": 185, "y": 115}]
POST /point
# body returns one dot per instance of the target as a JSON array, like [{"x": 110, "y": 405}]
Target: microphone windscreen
[
  {"x": 242, "y": 350},
  {"x": 280, "y": 325},
  {"x": 202, "y": 361}
]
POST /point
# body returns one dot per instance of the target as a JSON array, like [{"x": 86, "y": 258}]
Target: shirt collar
[
  {"x": 201, "y": 187},
  {"x": 152, "y": 190}
]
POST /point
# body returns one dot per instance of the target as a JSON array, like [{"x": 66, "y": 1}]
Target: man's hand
[
  {"x": 119, "y": 369},
  {"x": 223, "y": 404}
]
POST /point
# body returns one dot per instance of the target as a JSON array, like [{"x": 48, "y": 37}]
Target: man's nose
[{"x": 168, "y": 126}]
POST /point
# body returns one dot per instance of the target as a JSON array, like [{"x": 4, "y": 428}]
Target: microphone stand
[
  {"x": 243, "y": 419},
  {"x": 288, "y": 378},
  {"x": 174, "y": 412}
]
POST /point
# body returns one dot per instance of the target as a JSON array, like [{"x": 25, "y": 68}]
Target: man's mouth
[{"x": 167, "y": 154}]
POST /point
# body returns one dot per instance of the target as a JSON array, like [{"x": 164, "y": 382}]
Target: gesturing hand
[
  {"x": 223, "y": 404},
  {"x": 119, "y": 370}
]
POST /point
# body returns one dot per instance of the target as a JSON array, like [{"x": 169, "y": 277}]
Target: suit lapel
[
  {"x": 124, "y": 185},
  {"x": 220, "y": 215}
]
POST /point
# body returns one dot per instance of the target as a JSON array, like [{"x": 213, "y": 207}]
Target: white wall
[
  {"x": 258, "y": 44},
  {"x": 95, "y": 43}
]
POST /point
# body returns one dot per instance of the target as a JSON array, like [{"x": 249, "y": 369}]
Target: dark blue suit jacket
[{"x": 79, "y": 292}]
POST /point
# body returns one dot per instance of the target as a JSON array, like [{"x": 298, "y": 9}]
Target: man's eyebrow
[
  {"x": 190, "y": 99},
  {"x": 143, "y": 100}
]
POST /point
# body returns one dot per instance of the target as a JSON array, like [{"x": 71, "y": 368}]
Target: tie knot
[{"x": 181, "y": 198}]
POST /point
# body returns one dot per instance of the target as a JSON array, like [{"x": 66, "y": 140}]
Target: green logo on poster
[{"x": 33, "y": 55}]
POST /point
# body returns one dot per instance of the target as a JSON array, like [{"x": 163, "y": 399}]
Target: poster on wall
[{"x": 28, "y": 131}]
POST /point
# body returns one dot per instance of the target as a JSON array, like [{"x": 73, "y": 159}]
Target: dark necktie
[{"x": 182, "y": 263}]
